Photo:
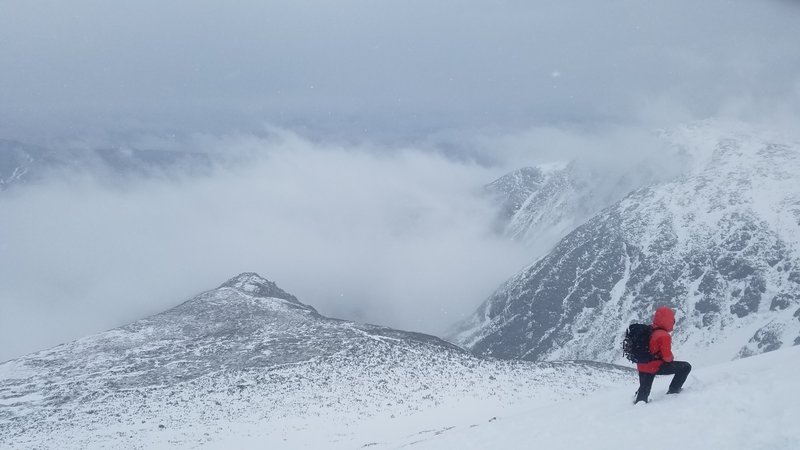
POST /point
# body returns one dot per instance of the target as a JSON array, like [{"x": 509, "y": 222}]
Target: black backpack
[{"x": 636, "y": 345}]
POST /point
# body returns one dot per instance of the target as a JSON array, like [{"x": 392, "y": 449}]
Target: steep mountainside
[
  {"x": 249, "y": 354},
  {"x": 540, "y": 205},
  {"x": 721, "y": 245},
  {"x": 537, "y": 200}
]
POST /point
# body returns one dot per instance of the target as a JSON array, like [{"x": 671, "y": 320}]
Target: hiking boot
[
  {"x": 674, "y": 391},
  {"x": 636, "y": 398}
]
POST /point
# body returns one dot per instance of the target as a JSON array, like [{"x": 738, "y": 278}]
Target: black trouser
[{"x": 681, "y": 370}]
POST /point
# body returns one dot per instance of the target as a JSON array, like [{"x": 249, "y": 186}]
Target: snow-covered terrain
[
  {"x": 721, "y": 245},
  {"x": 748, "y": 404},
  {"x": 249, "y": 359}
]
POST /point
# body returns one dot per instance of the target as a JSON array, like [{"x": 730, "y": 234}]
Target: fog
[
  {"x": 397, "y": 238},
  {"x": 403, "y": 237},
  {"x": 368, "y": 130}
]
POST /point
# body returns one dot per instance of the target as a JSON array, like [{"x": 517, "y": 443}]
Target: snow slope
[
  {"x": 248, "y": 358},
  {"x": 748, "y": 404},
  {"x": 721, "y": 245}
]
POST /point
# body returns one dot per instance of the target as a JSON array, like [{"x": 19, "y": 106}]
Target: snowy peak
[
  {"x": 239, "y": 303},
  {"x": 515, "y": 188},
  {"x": 255, "y": 285},
  {"x": 538, "y": 205}
]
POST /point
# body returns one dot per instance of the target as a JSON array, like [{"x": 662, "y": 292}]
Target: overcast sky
[
  {"x": 391, "y": 68},
  {"x": 374, "y": 124}
]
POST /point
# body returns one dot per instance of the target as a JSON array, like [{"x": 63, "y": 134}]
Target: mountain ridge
[{"x": 719, "y": 244}]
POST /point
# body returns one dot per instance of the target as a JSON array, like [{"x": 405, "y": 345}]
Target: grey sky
[{"x": 392, "y": 68}]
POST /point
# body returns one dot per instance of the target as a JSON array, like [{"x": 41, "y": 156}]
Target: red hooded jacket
[{"x": 660, "y": 340}]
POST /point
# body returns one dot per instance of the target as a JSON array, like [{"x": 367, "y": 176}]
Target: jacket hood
[{"x": 664, "y": 318}]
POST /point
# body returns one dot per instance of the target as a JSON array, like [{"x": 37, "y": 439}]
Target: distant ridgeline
[{"x": 23, "y": 163}]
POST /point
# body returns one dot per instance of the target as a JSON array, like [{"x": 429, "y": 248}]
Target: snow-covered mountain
[
  {"x": 540, "y": 205},
  {"x": 721, "y": 245},
  {"x": 22, "y": 163},
  {"x": 249, "y": 357},
  {"x": 537, "y": 200}
]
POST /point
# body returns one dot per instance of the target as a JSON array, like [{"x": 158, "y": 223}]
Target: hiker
[{"x": 661, "y": 349}]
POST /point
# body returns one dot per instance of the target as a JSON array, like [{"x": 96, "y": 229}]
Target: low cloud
[{"x": 400, "y": 238}]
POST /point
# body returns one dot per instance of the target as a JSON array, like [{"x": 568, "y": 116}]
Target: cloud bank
[{"x": 399, "y": 238}]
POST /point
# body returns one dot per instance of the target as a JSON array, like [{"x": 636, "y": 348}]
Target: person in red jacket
[{"x": 664, "y": 364}]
